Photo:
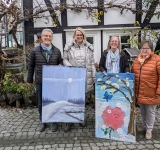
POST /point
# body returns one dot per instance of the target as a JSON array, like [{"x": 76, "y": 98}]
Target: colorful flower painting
[{"x": 115, "y": 106}]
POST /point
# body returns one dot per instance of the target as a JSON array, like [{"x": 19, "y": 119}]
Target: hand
[
  {"x": 105, "y": 73},
  {"x": 29, "y": 84},
  {"x": 93, "y": 80}
]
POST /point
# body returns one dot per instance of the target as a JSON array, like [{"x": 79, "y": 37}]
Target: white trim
[{"x": 91, "y": 29}]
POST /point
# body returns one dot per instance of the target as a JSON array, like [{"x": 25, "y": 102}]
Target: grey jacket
[{"x": 75, "y": 55}]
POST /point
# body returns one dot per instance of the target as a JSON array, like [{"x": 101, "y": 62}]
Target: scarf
[
  {"x": 112, "y": 61},
  {"x": 47, "y": 50},
  {"x": 142, "y": 58}
]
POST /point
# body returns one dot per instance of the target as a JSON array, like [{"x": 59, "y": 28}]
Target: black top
[
  {"x": 123, "y": 65},
  {"x": 38, "y": 59}
]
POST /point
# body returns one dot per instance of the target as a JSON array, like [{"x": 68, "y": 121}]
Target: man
[{"x": 44, "y": 54}]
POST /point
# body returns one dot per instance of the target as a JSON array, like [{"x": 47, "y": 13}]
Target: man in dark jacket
[{"x": 44, "y": 54}]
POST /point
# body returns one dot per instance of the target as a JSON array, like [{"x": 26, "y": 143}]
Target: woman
[
  {"x": 79, "y": 52},
  {"x": 112, "y": 59},
  {"x": 147, "y": 85}
]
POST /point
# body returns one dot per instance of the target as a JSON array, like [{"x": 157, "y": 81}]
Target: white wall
[
  {"x": 80, "y": 18},
  {"x": 113, "y": 15},
  {"x": 42, "y": 22}
]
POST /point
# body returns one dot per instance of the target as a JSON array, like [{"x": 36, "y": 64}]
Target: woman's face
[
  {"x": 114, "y": 43},
  {"x": 145, "y": 50},
  {"x": 79, "y": 37}
]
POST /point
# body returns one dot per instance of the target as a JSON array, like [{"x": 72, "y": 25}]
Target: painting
[
  {"x": 63, "y": 94},
  {"x": 115, "y": 103}
]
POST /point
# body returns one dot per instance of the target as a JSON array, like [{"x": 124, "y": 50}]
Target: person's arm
[
  {"x": 60, "y": 61},
  {"x": 31, "y": 66},
  {"x": 102, "y": 63},
  {"x": 66, "y": 57},
  {"x": 93, "y": 66}
]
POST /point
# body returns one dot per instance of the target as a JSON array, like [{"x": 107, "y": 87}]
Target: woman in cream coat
[{"x": 79, "y": 52}]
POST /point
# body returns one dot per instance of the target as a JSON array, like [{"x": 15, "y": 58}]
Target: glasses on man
[
  {"x": 79, "y": 34},
  {"x": 50, "y": 36}
]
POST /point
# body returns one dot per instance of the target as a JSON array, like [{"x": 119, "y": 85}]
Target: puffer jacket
[
  {"x": 75, "y": 55},
  {"x": 38, "y": 59},
  {"x": 147, "y": 80}
]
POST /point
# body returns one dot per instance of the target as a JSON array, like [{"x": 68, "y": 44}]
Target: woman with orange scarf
[{"x": 147, "y": 85}]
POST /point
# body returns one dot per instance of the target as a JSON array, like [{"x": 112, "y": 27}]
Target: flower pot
[
  {"x": 3, "y": 98},
  {"x": 10, "y": 52},
  {"x": 14, "y": 97},
  {"x": 31, "y": 100}
]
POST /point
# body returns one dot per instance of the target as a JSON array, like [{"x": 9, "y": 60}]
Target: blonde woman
[
  {"x": 79, "y": 52},
  {"x": 112, "y": 59}
]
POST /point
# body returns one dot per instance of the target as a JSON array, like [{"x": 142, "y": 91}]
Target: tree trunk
[{"x": 131, "y": 128}]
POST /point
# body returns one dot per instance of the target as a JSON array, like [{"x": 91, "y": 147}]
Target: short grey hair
[
  {"x": 49, "y": 30},
  {"x": 150, "y": 44}
]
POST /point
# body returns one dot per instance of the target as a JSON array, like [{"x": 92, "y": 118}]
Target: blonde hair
[
  {"x": 82, "y": 31},
  {"x": 109, "y": 47}
]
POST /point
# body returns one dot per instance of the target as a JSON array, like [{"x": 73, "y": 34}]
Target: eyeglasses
[
  {"x": 114, "y": 41},
  {"x": 145, "y": 48},
  {"x": 79, "y": 34},
  {"x": 50, "y": 36}
]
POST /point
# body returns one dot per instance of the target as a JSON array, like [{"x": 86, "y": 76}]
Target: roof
[{"x": 133, "y": 52}]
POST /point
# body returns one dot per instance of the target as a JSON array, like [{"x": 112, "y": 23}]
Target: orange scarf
[{"x": 142, "y": 58}]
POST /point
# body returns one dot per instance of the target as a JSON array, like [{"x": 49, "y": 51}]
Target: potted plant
[
  {"x": 3, "y": 97},
  {"x": 12, "y": 89},
  {"x": 28, "y": 92},
  {"x": 17, "y": 90}
]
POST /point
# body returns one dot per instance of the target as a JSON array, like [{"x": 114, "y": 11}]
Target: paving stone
[
  {"x": 121, "y": 146},
  {"x": 112, "y": 147},
  {"x": 157, "y": 146},
  {"x": 131, "y": 146},
  {"x": 24, "y": 135}
]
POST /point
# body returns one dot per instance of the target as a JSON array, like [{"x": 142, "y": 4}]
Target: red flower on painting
[{"x": 113, "y": 117}]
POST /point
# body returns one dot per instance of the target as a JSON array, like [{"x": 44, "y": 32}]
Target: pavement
[{"x": 19, "y": 131}]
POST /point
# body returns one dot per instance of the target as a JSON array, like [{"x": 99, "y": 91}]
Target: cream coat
[{"x": 82, "y": 55}]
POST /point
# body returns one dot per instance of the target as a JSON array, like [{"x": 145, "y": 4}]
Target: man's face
[{"x": 47, "y": 38}]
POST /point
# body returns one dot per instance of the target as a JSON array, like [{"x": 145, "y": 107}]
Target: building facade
[{"x": 98, "y": 33}]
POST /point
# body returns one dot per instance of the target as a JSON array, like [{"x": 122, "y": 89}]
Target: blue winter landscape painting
[
  {"x": 63, "y": 94},
  {"x": 115, "y": 103}
]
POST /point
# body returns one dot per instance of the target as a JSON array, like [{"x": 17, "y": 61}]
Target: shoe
[
  {"x": 141, "y": 128},
  {"x": 68, "y": 127},
  {"x": 148, "y": 134},
  {"x": 42, "y": 127},
  {"x": 53, "y": 127},
  {"x": 82, "y": 125}
]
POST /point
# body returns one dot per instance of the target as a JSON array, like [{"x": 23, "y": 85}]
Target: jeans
[{"x": 39, "y": 96}]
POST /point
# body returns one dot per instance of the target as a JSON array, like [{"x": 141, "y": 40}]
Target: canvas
[
  {"x": 63, "y": 94},
  {"x": 115, "y": 117}
]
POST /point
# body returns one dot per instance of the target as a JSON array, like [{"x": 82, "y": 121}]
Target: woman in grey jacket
[{"x": 79, "y": 52}]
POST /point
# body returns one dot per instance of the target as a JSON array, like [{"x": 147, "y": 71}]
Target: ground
[{"x": 19, "y": 131}]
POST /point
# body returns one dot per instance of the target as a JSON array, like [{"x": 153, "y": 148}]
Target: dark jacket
[
  {"x": 37, "y": 59},
  {"x": 124, "y": 62}
]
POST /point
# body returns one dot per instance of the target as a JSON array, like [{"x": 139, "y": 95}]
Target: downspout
[{"x": 24, "y": 45}]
